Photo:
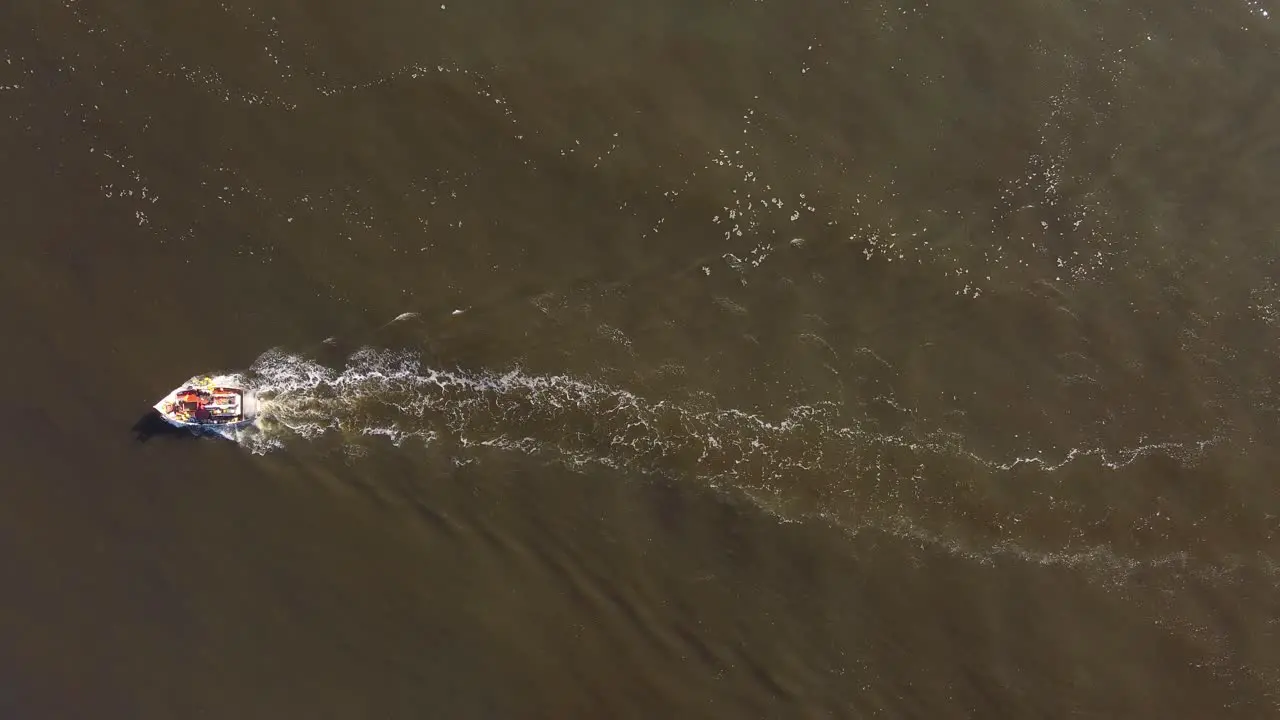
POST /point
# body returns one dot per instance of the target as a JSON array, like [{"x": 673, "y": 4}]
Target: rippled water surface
[{"x": 734, "y": 359}]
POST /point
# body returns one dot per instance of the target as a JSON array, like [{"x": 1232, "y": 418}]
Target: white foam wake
[
  {"x": 811, "y": 463},
  {"x": 809, "y": 460},
  {"x": 808, "y": 463}
]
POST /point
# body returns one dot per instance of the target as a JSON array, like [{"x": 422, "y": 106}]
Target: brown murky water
[{"x": 736, "y": 360}]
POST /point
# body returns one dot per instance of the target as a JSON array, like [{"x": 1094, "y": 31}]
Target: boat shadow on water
[{"x": 151, "y": 424}]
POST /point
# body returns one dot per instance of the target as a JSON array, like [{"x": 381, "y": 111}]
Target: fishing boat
[{"x": 206, "y": 403}]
